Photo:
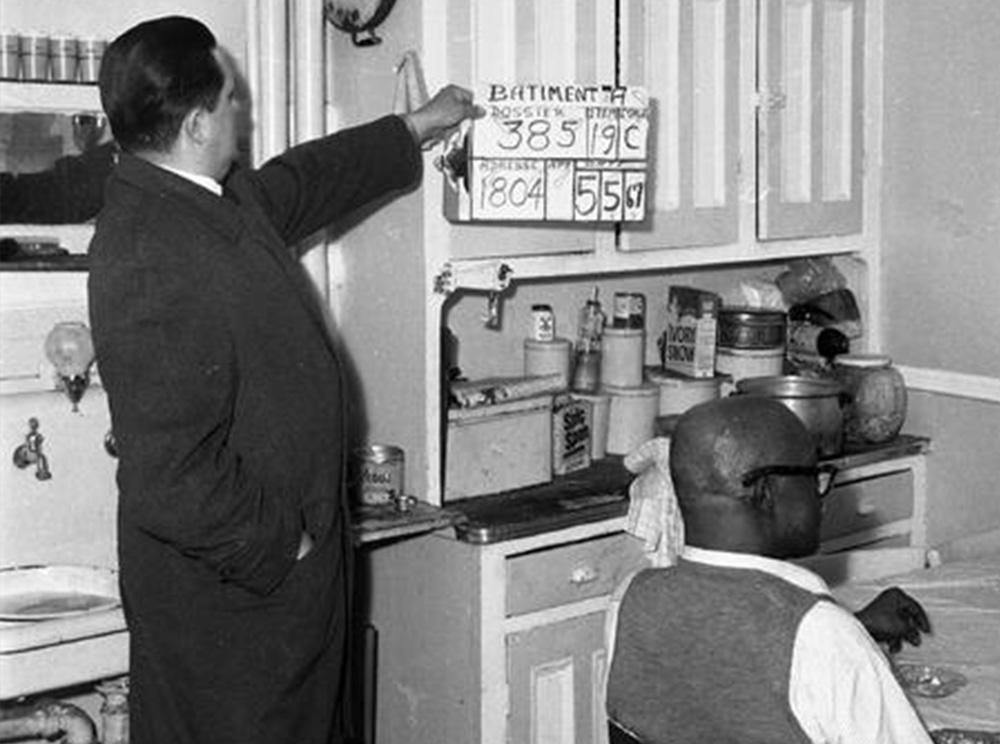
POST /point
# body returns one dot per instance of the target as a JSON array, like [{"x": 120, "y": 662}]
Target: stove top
[{"x": 597, "y": 493}]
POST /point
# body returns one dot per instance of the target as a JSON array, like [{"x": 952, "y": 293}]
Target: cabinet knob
[{"x": 866, "y": 506}]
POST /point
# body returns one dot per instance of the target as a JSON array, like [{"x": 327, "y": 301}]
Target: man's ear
[
  {"x": 761, "y": 497},
  {"x": 195, "y": 126}
]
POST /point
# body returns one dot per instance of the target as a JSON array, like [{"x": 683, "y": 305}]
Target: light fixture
[
  {"x": 70, "y": 349},
  {"x": 359, "y": 18}
]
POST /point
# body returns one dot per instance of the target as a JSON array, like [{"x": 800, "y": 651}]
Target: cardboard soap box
[
  {"x": 571, "y": 434},
  {"x": 688, "y": 344}
]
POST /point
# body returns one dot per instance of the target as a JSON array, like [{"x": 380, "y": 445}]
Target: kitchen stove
[{"x": 594, "y": 494}]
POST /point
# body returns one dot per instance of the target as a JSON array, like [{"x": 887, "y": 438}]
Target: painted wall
[{"x": 941, "y": 233}]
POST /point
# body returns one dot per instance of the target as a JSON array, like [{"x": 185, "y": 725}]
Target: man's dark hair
[{"x": 153, "y": 75}]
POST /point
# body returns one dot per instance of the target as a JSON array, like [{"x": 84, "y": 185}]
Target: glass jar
[{"x": 876, "y": 405}]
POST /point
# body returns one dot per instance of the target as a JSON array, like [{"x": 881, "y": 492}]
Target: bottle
[
  {"x": 587, "y": 357},
  {"x": 806, "y": 339}
]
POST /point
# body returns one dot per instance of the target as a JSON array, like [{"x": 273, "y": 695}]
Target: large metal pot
[{"x": 817, "y": 402}]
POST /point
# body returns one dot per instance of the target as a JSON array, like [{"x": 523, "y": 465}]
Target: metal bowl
[{"x": 817, "y": 402}]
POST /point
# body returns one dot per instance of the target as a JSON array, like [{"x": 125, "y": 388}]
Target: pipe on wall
[
  {"x": 46, "y": 720},
  {"x": 285, "y": 49}
]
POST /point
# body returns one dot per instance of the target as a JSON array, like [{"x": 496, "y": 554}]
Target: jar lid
[
  {"x": 863, "y": 360},
  {"x": 557, "y": 344},
  {"x": 646, "y": 390},
  {"x": 668, "y": 377},
  {"x": 624, "y": 332},
  {"x": 753, "y": 315}
]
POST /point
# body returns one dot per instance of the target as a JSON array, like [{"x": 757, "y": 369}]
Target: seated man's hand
[{"x": 893, "y": 617}]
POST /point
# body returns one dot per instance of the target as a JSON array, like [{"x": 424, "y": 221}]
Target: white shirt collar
[
  {"x": 204, "y": 181},
  {"x": 793, "y": 574}
]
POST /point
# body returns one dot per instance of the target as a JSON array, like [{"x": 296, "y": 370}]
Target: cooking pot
[{"x": 817, "y": 402}]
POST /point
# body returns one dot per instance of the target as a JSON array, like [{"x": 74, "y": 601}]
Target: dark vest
[{"x": 703, "y": 654}]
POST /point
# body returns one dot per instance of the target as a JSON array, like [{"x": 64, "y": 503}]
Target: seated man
[{"x": 734, "y": 644}]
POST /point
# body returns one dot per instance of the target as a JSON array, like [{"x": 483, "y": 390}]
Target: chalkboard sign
[{"x": 541, "y": 153}]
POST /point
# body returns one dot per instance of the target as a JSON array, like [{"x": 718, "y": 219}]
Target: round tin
[
  {"x": 381, "y": 472},
  {"x": 751, "y": 328}
]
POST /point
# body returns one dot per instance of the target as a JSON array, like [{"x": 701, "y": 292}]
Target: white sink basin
[{"x": 59, "y": 626}]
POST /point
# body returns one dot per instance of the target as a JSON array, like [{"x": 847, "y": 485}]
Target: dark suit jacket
[{"x": 226, "y": 401}]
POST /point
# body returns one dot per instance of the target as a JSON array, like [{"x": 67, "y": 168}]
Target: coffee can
[
  {"x": 381, "y": 474},
  {"x": 621, "y": 309},
  {"x": 637, "y": 310}
]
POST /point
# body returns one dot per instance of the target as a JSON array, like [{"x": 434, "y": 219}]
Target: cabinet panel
[
  {"x": 867, "y": 505},
  {"x": 555, "y": 677},
  {"x": 546, "y": 41},
  {"x": 686, "y": 53},
  {"x": 570, "y": 573},
  {"x": 810, "y": 118}
]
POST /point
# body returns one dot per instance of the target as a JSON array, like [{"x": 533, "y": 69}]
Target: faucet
[{"x": 31, "y": 452}]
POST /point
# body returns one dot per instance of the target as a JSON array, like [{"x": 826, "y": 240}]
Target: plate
[
  {"x": 924, "y": 680},
  {"x": 29, "y": 593}
]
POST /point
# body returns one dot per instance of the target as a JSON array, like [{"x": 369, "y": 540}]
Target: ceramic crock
[{"x": 876, "y": 397}]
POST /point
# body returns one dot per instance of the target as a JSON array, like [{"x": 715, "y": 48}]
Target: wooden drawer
[
  {"x": 569, "y": 573},
  {"x": 867, "y": 504}
]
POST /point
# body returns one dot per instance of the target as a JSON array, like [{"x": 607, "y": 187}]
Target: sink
[
  {"x": 31, "y": 593},
  {"x": 60, "y": 625}
]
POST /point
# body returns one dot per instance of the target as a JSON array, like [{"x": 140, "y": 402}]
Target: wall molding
[{"x": 946, "y": 382}]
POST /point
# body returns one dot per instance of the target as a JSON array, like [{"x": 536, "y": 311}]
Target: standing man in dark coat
[{"x": 226, "y": 393}]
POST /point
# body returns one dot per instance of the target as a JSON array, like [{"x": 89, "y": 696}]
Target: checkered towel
[{"x": 653, "y": 514}]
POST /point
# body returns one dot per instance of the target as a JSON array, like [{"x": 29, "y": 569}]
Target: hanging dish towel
[{"x": 653, "y": 513}]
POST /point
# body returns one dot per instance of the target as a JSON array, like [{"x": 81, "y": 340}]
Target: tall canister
[
  {"x": 600, "y": 408},
  {"x": 623, "y": 353},
  {"x": 631, "y": 417},
  {"x": 542, "y": 358},
  {"x": 679, "y": 392}
]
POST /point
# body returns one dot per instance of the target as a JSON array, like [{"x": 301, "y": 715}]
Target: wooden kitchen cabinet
[
  {"x": 550, "y": 41},
  {"x": 687, "y": 54},
  {"x": 810, "y": 118},
  {"x": 497, "y": 643},
  {"x": 393, "y": 276}
]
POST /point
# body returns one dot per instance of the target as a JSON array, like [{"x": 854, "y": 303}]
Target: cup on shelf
[
  {"x": 35, "y": 60},
  {"x": 65, "y": 58},
  {"x": 10, "y": 55},
  {"x": 91, "y": 54}
]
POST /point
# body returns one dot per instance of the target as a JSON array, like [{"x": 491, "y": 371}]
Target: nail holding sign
[{"x": 542, "y": 153}]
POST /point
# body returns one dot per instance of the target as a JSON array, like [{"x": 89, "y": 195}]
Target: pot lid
[
  {"x": 863, "y": 360},
  {"x": 789, "y": 386}
]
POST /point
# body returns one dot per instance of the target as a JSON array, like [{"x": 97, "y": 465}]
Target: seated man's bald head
[
  {"x": 715, "y": 443},
  {"x": 713, "y": 446}
]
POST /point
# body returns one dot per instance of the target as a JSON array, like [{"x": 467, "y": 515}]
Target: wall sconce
[
  {"x": 70, "y": 348},
  {"x": 359, "y": 18}
]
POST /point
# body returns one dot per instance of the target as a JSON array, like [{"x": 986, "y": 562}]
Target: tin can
[
  {"x": 381, "y": 474},
  {"x": 629, "y": 310},
  {"x": 543, "y": 323},
  {"x": 637, "y": 311}
]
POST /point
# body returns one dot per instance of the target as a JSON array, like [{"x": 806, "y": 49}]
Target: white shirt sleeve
[{"x": 842, "y": 689}]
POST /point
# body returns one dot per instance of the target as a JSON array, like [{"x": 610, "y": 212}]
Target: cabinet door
[
  {"x": 810, "y": 118},
  {"x": 544, "y": 41},
  {"x": 555, "y": 676},
  {"x": 686, "y": 53}
]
